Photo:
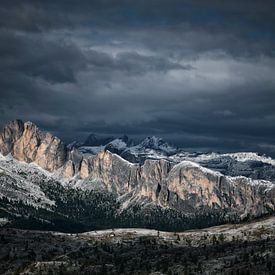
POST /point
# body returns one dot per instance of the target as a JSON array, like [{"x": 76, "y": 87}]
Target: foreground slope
[{"x": 229, "y": 249}]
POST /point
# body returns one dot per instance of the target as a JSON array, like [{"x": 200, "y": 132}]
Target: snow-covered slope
[
  {"x": 149, "y": 148},
  {"x": 240, "y": 156},
  {"x": 158, "y": 144},
  {"x": 20, "y": 181},
  {"x": 246, "y": 164}
]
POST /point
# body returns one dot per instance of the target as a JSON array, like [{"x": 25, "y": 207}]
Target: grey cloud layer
[{"x": 199, "y": 73}]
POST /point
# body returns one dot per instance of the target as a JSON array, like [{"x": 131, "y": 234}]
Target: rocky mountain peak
[
  {"x": 97, "y": 140},
  {"x": 152, "y": 142},
  {"x": 27, "y": 143},
  {"x": 157, "y": 143}
]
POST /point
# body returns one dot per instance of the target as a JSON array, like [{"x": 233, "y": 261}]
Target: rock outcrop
[
  {"x": 11, "y": 133},
  {"x": 51, "y": 153},
  {"x": 27, "y": 143},
  {"x": 25, "y": 148},
  {"x": 69, "y": 169}
]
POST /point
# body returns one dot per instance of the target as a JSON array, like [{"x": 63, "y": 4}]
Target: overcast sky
[{"x": 200, "y": 74}]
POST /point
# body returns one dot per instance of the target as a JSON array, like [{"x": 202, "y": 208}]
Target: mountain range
[{"x": 108, "y": 182}]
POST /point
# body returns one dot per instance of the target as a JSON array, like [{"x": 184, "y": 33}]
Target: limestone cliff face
[
  {"x": 186, "y": 186},
  {"x": 111, "y": 170},
  {"x": 11, "y": 132},
  {"x": 51, "y": 153},
  {"x": 195, "y": 187},
  {"x": 84, "y": 169},
  {"x": 69, "y": 169},
  {"x": 25, "y": 148},
  {"x": 27, "y": 143},
  {"x": 73, "y": 165},
  {"x": 153, "y": 176}
]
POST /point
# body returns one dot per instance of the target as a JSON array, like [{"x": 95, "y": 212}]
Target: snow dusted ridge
[
  {"x": 241, "y": 156},
  {"x": 247, "y": 164},
  {"x": 251, "y": 156},
  {"x": 18, "y": 182},
  {"x": 118, "y": 144},
  {"x": 151, "y": 147},
  {"x": 157, "y": 144},
  {"x": 10, "y": 165},
  {"x": 191, "y": 164}
]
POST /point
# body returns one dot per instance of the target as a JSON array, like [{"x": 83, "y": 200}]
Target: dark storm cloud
[
  {"x": 199, "y": 73},
  {"x": 30, "y": 16},
  {"x": 34, "y": 55},
  {"x": 132, "y": 63}
]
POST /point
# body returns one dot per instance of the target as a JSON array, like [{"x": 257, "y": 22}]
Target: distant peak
[
  {"x": 153, "y": 142},
  {"x": 97, "y": 140},
  {"x": 124, "y": 138}
]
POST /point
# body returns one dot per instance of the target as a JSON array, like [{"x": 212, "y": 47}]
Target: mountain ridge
[
  {"x": 248, "y": 164},
  {"x": 184, "y": 187}
]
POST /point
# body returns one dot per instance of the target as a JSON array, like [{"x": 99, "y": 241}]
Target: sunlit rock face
[
  {"x": 27, "y": 143},
  {"x": 51, "y": 153},
  {"x": 194, "y": 187},
  {"x": 25, "y": 148},
  {"x": 84, "y": 171},
  {"x": 69, "y": 169},
  {"x": 11, "y": 132},
  {"x": 186, "y": 186},
  {"x": 111, "y": 170}
]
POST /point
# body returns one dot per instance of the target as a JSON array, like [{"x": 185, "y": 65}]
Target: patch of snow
[
  {"x": 246, "y": 156},
  {"x": 3, "y": 221},
  {"x": 190, "y": 164},
  {"x": 157, "y": 144},
  {"x": 20, "y": 182},
  {"x": 88, "y": 184},
  {"x": 241, "y": 156},
  {"x": 269, "y": 185},
  {"x": 118, "y": 144},
  {"x": 122, "y": 159},
  {"x": 2, "y": 157}
]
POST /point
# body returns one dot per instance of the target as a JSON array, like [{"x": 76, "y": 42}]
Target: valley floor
[{"x": 247, "y": 248}]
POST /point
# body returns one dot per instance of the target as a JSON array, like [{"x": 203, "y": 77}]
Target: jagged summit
[
  {"x": 150, "y": 147},
  {"x": 157, "y": 143},
  {"x": 152, "y": 142},
  {"x": 97, "y": 140},
  {"x": 27, "y": 143}
]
